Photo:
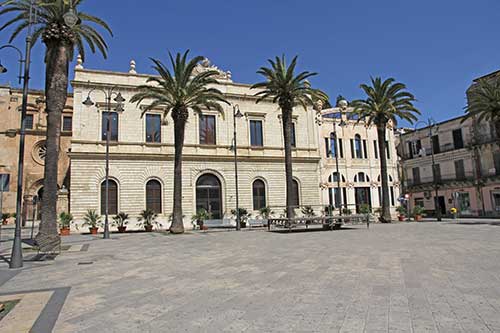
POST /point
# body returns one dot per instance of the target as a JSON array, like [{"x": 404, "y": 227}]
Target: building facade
[
  {"x": 36, "y": 125},
  {"x": 142, "y": 153},
  {"x": 461, "y": 158},
  {"x": 353, "y": 146}
]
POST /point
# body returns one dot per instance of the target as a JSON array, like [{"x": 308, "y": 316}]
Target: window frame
[
  {"x": 259, "y": 201},
  {"x": 104, "y": 118},
  {"x": 63, "y": 127},
  {"x": 152, "y": 202},
  {"x": 103, "y": 198},
  {"x": 152, "y": 115},
  {"x": 253, "y": 130},
  {"x": 201, "y": 120}
]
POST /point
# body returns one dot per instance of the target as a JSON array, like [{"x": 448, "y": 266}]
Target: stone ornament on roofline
[{"x": 205, "y": 65}]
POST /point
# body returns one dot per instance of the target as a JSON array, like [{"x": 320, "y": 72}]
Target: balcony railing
[{"x": 441, "y": 179}]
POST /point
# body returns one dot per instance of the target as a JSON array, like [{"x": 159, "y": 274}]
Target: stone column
[{"x": 63, "y": 201}]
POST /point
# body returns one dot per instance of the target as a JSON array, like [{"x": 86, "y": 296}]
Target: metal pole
[
  {"x": 238, "y": 221},
  {"x": 339, "y": 194},
  {"x": 434, "y": 175},
  {"x": 16, "y": 259},
  {"x": 108, "y": 133}
]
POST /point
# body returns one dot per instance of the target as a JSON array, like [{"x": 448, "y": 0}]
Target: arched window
[
  {"x": 335, "y": 176},
  {"x": 153, "y": 196},
  {"x": 357, "y": 146},
  {"x": 296, "y": 193},
  {"x": 209, "y": 195},
  {"x": 112, "y": 197},
  {"x": 390, "y": 178},
  {"x": 361, "y": 177},
  {"x": 259, "y": 194}
]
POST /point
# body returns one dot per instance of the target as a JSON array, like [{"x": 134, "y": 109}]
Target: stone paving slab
[{"x": 408, "y": 277}]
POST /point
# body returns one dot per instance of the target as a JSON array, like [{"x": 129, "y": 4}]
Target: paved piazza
[{"x": 408, "y": 277}]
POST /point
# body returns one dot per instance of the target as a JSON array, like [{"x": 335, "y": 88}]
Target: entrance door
[
  {"x": 209, "y": 196},
  {"x": 39, "y": 204},
  {"x": 495, "y": 196},
  {"x": 363, "y": 197},
  {"x": 442, "y": 205},
  {"x": 464, "y": 203}
]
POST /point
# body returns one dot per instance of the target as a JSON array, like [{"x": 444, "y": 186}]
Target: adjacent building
[
  {"x": 458, "y": 157},
  {"x": 350, "y": 161},
  {"x": 142, "y": 152},
  {"x": 35, "y": 150}
]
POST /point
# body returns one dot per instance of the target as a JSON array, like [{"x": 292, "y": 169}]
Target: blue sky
[{"x": 435, "y": 47}]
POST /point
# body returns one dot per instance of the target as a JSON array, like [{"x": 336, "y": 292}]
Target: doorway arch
[{"x": 209, "y": 195}]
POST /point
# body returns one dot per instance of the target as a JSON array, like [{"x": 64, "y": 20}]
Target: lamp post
[
  {"x": 342, "y": 104},
  {"x": 108, "y": 94},
  {"x": 432, "y": 124},
  {"x": 236, "y": 114}
]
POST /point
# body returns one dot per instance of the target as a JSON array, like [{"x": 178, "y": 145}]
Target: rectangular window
[
  {"x": 388, "y": 150},
  {"x": 416, "y": 175},
  {"x": 28, "y": 121},
  {"x": 153, "y": 128},
  {"x": 437, "y": 172},
  {"x": 365, "y": 150},
  {"x": 460, "y": 170},
  {"x": 375, "y": 149},
  {"x": 496, "y": 160},
  {"x": 341, "y": 149},
  {"x": 67, "y": 124},
  {"x": 419, "y": 202},
  {"x": 4, "y": 182},
  {"x": 353, "y": 155},
  {"x": 392, "y": 196},
  {"x": 410, "y": 150},
  {"x": 436, "y": 148},
  {"x": 113, "y": 126},
  {"x": 294, "y": 139},
  {"x": 207, "y": 130},
  {"x": 327, "y": 147},
  {"x": 458, "y": 141},
  {"x": 256, "y": 136}
]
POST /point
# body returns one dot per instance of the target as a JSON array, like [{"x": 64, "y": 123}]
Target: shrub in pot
[
  {"x": 65, "y": 221},
  {"x": 121, "y": 221},
  {"x": 92, "y": 220},
  {"x": 147, "y": 219},
  {"x": 200, "y": 217},
  {"x": 244, "y": 216},
  {"x": 418, "y": 213},
  {"x": 402, "y": 212},
  {"x": 265, "y": 213},
  {"x": 5, "y": 218}
]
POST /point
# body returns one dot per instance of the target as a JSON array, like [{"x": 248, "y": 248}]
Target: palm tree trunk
[
  {"x": 56, "y": 92},
  {"x": 286, "y": 115},
  {"x": 180, "y": 118},
  {"x": 385, "y": 216}
]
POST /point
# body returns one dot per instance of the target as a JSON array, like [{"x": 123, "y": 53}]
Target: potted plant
[
  {"x": 265, "y": 213},
  {"x": 121, "y": 221},
  {"x": 402, "y": 213},
  {"x": 200, "y": 217},
  {"x": 148, "y": 219},
  {"x": 244, "y": 215},
  {"x": 92, "y": 220},
  {"x": 418, "y": 212},
  {"x": 65, "y": 220},
  {"x": 347, "y": 212},
  {"x": 365, "y": 209},
  {"x": 5, "y": 218}
]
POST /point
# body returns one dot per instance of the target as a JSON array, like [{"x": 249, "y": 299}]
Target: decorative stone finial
[
  {"x": 318, "y": 105},
  {"x": 132, "y": 67},
  {"x": 343, "y": 104},
  {"x": 79, "y": 62}
]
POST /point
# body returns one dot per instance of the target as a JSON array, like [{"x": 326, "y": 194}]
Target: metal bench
[
  {"x": 257, "y": 222},
  {"x": 48, "y": 245},
  {"x": 328, "y": 222},
  {"x": 219, "y": 223}
]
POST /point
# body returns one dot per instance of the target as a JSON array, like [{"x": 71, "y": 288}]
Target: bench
[
  {"x": 257, "y": 222},
  {"x": 328, "y": 222},
  {"x": 219, "y": 223}
]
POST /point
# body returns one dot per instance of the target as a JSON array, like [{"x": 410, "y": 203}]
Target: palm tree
[
  {"x": 484, "y": 103},
  {"x": 288, "y": 90},
  {"x": 60, "y": 41},
  {"x": 177, "y": 92},
  {"x": 386, "y": 102}
]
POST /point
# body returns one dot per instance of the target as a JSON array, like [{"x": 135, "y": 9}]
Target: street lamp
[
  {"x": 432, "y": 124},
  {"x": 236, "y": 114},
  {"x": 343, "y": 104},
  {"x": 70, "y": 18},
  {"x": 108, "y": 94},
  {"x": 16, "y": 259}
]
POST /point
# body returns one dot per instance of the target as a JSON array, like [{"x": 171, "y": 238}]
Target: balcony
[{"x": 441, "y": 179}]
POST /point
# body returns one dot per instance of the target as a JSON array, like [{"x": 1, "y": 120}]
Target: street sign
[{"x": 4, "y": 182}]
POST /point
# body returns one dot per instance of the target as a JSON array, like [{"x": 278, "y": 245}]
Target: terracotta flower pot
[
  {"x": 5, "y": 222},
  {"x": 148, "y": 228},
  {"x": 93, "y": 231},
  {"x": 418, "y": 218},
  {"x": 401, "y": 218},
  {"x": 204, "y": 227},
  {"x": 122, "y": 229},
  {"x": 64, "y": 231}
]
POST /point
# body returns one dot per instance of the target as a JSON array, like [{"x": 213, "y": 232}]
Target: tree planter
[
  {"x": 148, "y": 228},
  {"x": 93, "y": 231},
  {"x": 418, "y": 218},
  {"x": 204, "y": 227},
  {"x": 401, "y": 218},
  {"x": 64, "y": 231},
  {"x": 122, "y": 229}
]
